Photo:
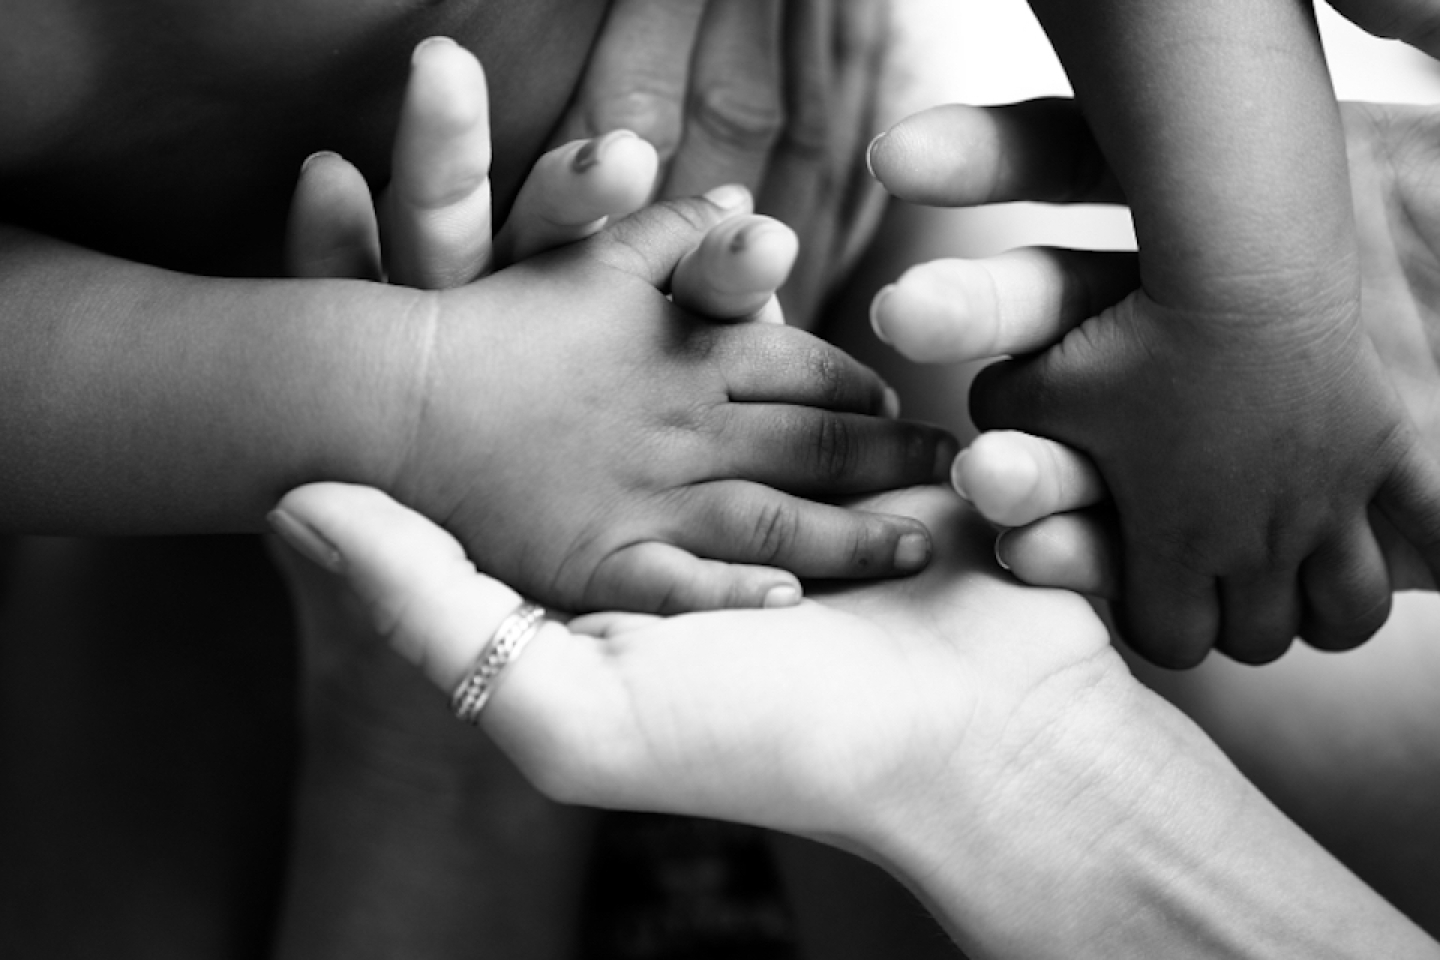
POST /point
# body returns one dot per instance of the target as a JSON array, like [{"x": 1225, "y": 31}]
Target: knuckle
[
  {"x": 832, "y": 448},
  {"x": 738, "y": 118},
  {"x": 773, "y": 529},
  {"x": 828, "y": 374}
]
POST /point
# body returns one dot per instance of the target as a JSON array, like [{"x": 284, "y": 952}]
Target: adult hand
[
  {"x": 775, "y": 97},
  {"x": 980, "y": 739},
  {"x": 1025, "y": 300}
]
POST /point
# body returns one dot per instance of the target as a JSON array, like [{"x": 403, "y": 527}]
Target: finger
[
  {"x": 736, "y": 107},
  {"x": 834, "y": 53},
  {"x": 1260, "y": 615},
  {"x": 650, "y": 243},
  {"x": 745, "y": 522},
  {"x": 948, "y": 311},
  {"x": 777, "y": 364},
  {"x": 332, "y": 231},
  {"x": 662, "y": 579},
  {"x": 1416, "y": 22},
  {"x": 957, "y": 156},
  {"x": 1408, "y": 570},
  {"x": 639, "y": 74},
  {"x": 813, "y": 452},
  {"x": 1014, "y": 478},
  {"x": 1410, "y": 500},
  {"x": 1069, "y": 551},
  {"x": 438, "y": 230},
  {"x": 1170, "y": 615},
  {"x": 1347, "y": 590},
  {"x": 574, "y": 190},
  {"x": 425, "y": 596},
  {"x": 736, "y": 269}
]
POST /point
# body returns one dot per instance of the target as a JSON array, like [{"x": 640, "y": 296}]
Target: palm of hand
[{"x": 819, "y": 719}]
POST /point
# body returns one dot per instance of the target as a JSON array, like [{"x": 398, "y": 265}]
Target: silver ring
[{"x": 511, "y": 637}]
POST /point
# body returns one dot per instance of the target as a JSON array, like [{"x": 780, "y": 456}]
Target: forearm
[
  {"x": 134, "y": 400},
  {"x": 1125, "y": 832},
  {"x": 1220, "y": 124}
]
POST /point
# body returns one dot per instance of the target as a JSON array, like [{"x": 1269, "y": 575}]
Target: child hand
[
  {"x": 1288, "y": 547},
  {"x": 718, "y": 274}
]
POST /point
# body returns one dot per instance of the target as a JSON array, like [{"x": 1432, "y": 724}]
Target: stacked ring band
[{"x": 510, "y": 639}]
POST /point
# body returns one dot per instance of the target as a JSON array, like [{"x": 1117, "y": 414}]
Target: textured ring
[{"x": 510, "y": 639}]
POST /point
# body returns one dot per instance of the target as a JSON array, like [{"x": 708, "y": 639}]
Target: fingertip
[
  {"x": 1071, "y": 551},
  {"x": 1000, "y": 477},
  {"x": 936, "y": 313}
]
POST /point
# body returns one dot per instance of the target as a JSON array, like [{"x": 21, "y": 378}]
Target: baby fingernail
[
  {"x": 957, "y": 480},
  {"x": 306, "y": 539},
  {"x": 875, "y": 306},
  {"x": 912, "y": 552},
  {"x": 1000, "y": 542},
  {"x": 787, "y": 595},
  {"x": 731, "y": 196},
  {"x": 592, "y": 151}
]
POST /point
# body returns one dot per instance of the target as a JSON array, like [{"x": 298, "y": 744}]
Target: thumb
[{"x": 650, "y": 243}]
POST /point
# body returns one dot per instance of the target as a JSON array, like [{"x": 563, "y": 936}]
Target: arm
[
  {"x": 1040, "y": 800},
  {"x": 141, "y": 401}
]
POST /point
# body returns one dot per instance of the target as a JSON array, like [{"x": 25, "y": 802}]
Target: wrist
[{"x": 1122, "y": 830}]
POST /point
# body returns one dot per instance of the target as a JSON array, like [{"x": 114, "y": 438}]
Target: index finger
[{"x": 960, "y": 156}]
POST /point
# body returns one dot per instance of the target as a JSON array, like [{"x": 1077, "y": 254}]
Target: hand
[
  {"x": 775, "y": 97},
  {"x": 981, "y": 740},
  {"x": 1028, "y": 299},
  {"x": 651, "y": 573},
  {"x": 809, "y": 719}
]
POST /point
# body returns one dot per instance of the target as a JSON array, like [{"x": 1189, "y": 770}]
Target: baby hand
[
  {"x": 1242, "y": 452},
  {"x": 731, "y": 272}
]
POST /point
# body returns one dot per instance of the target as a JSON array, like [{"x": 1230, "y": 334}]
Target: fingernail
[
  {"x": 999, "y": 540},
  {"x": 880, "y": 298},
  {"x": 305, "y": 539},
  {"x": 787, "y": 595},
  {"x": 912, "y": 552},
  {"x": 731, "y": 196},
  {"x": 870, "y": 153},
  {"x": 317, "y": 155},
  {"x": 956, "y": 480},
  {"x": 891, "y": 409},
  {"x": 749, "y": 234},
  {"x": 429, "y": 43},
  {"x": 592, "y": 151}
]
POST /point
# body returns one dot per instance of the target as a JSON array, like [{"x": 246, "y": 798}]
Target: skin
[{"x": 86, "y": 87}]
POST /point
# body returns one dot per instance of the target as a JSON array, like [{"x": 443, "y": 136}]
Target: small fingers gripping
[{"x": 1237, "y": 478}]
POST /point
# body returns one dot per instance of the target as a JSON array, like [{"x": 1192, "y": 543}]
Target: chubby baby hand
[{"x": 589, "y": 438}]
